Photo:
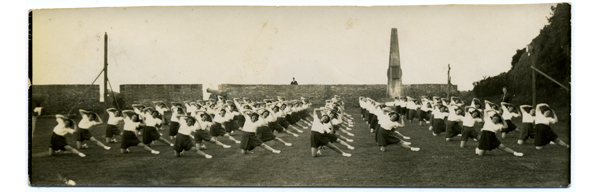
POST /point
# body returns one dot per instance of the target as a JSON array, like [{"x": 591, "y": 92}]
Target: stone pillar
[{"x": 394, "y": 74}]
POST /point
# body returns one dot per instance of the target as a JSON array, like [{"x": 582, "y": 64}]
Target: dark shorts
[
  {"x": 439, "y": 126},
  {"x": 412, "y": 113},
  {"x": 173, "y": 128},
  {"x": 82, "y": 135},
  {"x": 423, "y": 116},
  {"x": 112, "y": 130},
  {"x": 385, "y": 137},
  {"x": 488, "y": 141},
  {"x": 468, "y": 133},
  {"x": 398, "y": 109},
  {"x": 217, "y": 130},
  {"x": 318, "y": 139},
  {"x": 543, "y": 135},
  {"x": 527, "y": 132},
  {"x": 274, "y": 126},
  {"x": 201, "y": 135},
  {"x": 369, "y": 117},
  {"x": 289, "y": 118},
  {"x": 249, "y": 141},
  {"x": 241, "y": 120},
  {"x": 331, "y": 137},
  {"x": 452, "y": 129},
  {"x": 403, "y": 110},
  {"x": 374, "y": 122},
  {"x": 129, "y": 140},
  {"x": 58, "y": 142},
  {"x": 149, "y": 134},
  {"x": 283, "y": 122},
  {"x": 511, "y": 126},
  {"x": 264, "y": 133},
  {"x": 229, "y": 127},
  {"x": 183, "y": 143}
]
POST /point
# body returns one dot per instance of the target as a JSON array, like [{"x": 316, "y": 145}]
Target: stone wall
[
  {"x": 418, "y": 90},
  {"x": 317, "y": 94},
  {"x": 59, "y": 99},
  {"x": 146, "y": 93}
]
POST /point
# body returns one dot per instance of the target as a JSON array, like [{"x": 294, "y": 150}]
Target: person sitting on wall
[{"x": 294, "y": 82}]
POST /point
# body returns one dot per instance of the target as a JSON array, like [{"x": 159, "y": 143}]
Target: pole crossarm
[{"x": 547, "y": 76}]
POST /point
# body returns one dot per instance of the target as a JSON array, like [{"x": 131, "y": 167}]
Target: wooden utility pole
[
  {"x": 106, "y": 106},
  {"x": 449, "y": 83}
]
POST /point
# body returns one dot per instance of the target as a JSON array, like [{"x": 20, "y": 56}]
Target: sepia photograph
[{"x": 399, "y": 96}]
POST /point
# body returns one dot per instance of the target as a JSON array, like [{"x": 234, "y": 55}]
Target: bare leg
[
  {"x": 509, "y": 150},
  {"x": 99, "y": 143},
  {"x": 290, "y": 133},
  {"x": 338, "y": 150},
  {"x": 282, "y": 141},
  {"x": 50, "y": 151},
  {"x": 479, "y": 152},
  {"x": 269, "y": 148},
  {"x": 231, "y": 138},
  {"x": 197, "y": 149},
  {"x": 462, "y": 144},
  {"x": 561, "y": 143},
  {"x": 145, "y": 147},
  {"x": 313, "y": 152},
  {"x": 345, "y": 144},
  {"x": 295, "y": 129},
  {"x": 79, "y": 144},
  {"x": 165, "y": 141},
  {"x": 520, "y": 142},
  {"x": 74, "y": 151},
  {"x": 217, "y": 142}
]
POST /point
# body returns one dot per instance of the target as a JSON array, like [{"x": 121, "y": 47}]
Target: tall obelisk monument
[{"x": 394, "y": 85}]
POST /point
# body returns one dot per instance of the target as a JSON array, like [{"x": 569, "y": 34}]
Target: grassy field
[{"x": 438, "y": 164}]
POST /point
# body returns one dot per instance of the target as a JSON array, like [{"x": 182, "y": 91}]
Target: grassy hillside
[{"x": 551, "y": 53}]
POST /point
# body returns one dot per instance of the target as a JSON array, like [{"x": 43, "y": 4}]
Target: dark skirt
[
  {"x": 217, "y": 130},
  {"x": 265, "y": 133},
  {"x": 439, "y": 126},
  {"x": 295, "y": 116},
  {"x": 149, "y": 134},
  {"x": 202, "y": 135},
  {"x": 543, "y": 135},
  {"x": 331, "y": 137},
  {"x": 112, "y": 130},
  {"x": 229, "y": 126},
  {"x": 318, "y": 139},
  {"x": 369, "y": 117},
  {"x": 374, "y": 122},
  {"x": 527, "y": 132},
  {"x": 403, "y": 111},
  {"x": 488, "y": 141},
  {"x": 468, "y": 133},
  {"x": 452, "y": 129},
  {"x": 398, "y": 109},
  {"x": 412, "y": 113},
  {"x": 274, "y": 126},
  {"x": 249, "y": 141},
  {"x": 511, "y": 126},
  {"x": 129, "y": 140},
  {"x": 289, "y": 118},
  {"x": 173, "y": 128},
  {"x": 431, "y": 119},
  {"x": 82, "y": 135},
  {"x": 386, "y": 137},
  {"x": 283, "y": 122},
  {"x": 58, "y": 142},
  {"x": 423, "y": 116},
  {"x": 362, "y": 112},
  {"x": 183, "y": 143}
]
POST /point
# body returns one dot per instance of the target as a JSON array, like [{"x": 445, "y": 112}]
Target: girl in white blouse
[
  {"x": 318, "y": 135},
  {"x": 385, "y": 134},
  {"x": 543, "y": 133},
  {"x": 249, "y": 138},
  {"x": 468, "y": 121},
  {"x": 82, "y": 132},
  {"x": 527, "y": 130},
  {"x": 202, "y": 132},
  {"x": 183, "y": 140},
  {"x": 488, "y": 141},
  {"x": 112, "y": 131},
  {"x": 58, "y": 142},
  {"x": 509, "y": 112},
  {"x": 132, "y": 124},
  {"x": 439, "y": 113}
]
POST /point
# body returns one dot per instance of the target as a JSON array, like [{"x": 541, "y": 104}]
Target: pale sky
[{"x": 270, "y": 45}]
